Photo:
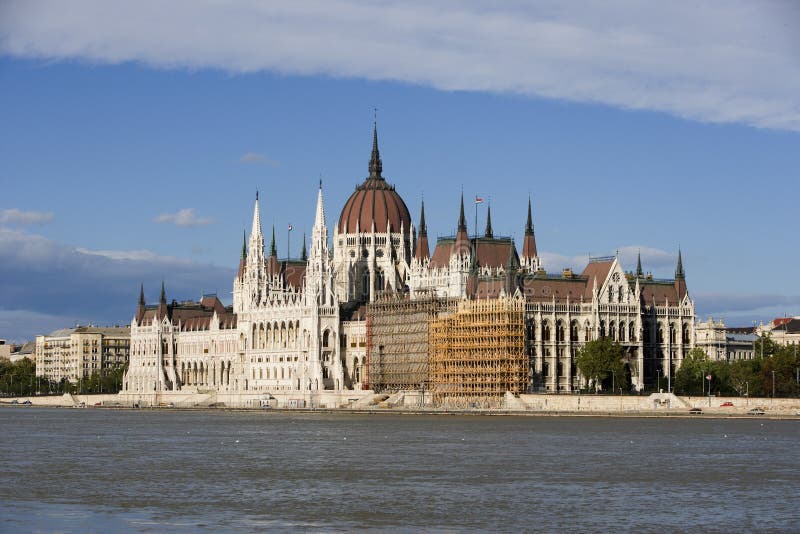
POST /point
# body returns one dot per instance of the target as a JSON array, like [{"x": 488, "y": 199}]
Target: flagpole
[
  {"x": 288, "y": 235},
  {"x": 476, "y": 218}
]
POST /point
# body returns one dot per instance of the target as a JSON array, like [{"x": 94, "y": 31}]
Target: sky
[{"x": 133, "y": 138}]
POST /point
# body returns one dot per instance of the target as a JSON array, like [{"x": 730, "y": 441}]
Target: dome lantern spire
[{"x": 375, "y": 164}]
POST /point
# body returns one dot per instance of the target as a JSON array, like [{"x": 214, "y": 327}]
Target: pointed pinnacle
[
  {"x": 423, "y": 229},
  {"x": 489, "y": 232},
  {"x": 141, "y": 295},
  {"x": 303, "y": 253},
  {"x": 163, "y": 293},
  {"x": 639, "y": 272},
  {"x": 679, "y": 269},
  {"x": 273, "y": 251},
  {"x": 529, "y": 224},
  {"x": 462, "y": 221},
  {"x": 244, "y": 244}
]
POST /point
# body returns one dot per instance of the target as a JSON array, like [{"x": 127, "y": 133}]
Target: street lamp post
[{"x": 773, "y": 383}]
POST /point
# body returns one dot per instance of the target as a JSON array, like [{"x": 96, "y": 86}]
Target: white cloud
[
  {"x": 16, "y": 216},
  {"x": 719, "y": 61},
  {"x": 184, "y": 217},
  {"x": 652, "y": 259},
  {"x": 58, "y": 285},
  {"x": 134, "y": 255},
  {"x": 253, "y": 157}
]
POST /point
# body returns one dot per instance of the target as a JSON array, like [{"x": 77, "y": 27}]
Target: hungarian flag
[
  {"x": 290, "y": 227},
  {"x": 478, "y": 200}
]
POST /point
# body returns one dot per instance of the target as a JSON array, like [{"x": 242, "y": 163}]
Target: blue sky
[{"x": 131, "y": 145}]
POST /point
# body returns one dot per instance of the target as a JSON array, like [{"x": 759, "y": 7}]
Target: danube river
[{"x": 93, "y": 470}]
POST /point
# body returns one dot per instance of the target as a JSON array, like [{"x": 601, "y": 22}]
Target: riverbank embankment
[{"x": 418, "y": 403}]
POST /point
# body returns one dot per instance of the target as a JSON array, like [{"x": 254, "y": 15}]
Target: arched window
[
  {"x": 559, "y": 331},
  {"x": 672, "y": 333},
  {"x": 602, "y": 329},
  {"x": 545, "y": 331},
  {"x": 380, "y": 282},
  {"x": 573, "y": 331},
  {"x": 611, "y": 330},
  {"x": 326, "y": 338}
]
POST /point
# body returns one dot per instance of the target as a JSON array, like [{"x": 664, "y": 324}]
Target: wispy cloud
[
  {"x": 57, "y": 284},
  {"x": 17, "y": 216},
  {"x": 259, "y": 159},
  {"x": 711, "y": 61},
  {"x": 184, "y": 217},
  {"x": 743, "y": 310},
  {"x": 652, "y": 259}
]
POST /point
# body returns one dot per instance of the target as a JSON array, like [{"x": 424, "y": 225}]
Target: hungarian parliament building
[{"x": 304, "y": 324}]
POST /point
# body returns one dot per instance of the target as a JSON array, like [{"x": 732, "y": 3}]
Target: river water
[{"x": 92, "y": 470}]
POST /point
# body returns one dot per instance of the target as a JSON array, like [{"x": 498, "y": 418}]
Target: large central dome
[{"x": 374, "y": 201}]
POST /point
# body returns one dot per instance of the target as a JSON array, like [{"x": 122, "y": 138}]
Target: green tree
[
  {"x": 690, "y": 377},
  {"x": 784, "y": 363},
  {"x": 601, "y": 361},
  {"x": 745, "y": 377}
]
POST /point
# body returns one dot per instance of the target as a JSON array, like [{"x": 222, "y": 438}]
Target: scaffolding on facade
[
  {"x": 397, "y": 341},
  {"x": 477, "y": 354}
]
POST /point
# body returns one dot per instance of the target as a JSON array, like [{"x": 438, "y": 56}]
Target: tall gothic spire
[
  {"x": 319, "y": 220},
  {"x": 423, "y": 250},
  {"x": 462, "y": 221},
  {"x": 141, "y": 295},
  {"x": 529, "y": 224},
  {"x": 163, "y": 298},
  {"x": 273, "y": 250},
  {"x": 303, "y": 253},
  {"x": 462, "y": 244},
  {"x": 679, "y": 274},
  {"x": 489, "y": 232},
  {"x": 639, "y": 272},
  {"x": 529, "y": 242},
  {"x": 256, "y": 231},
  {"x": 244, "y": 244},
  {"x": 375, "y": 164}
]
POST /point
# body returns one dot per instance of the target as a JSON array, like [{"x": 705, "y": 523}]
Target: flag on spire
[{"x": 478, "y": 200}]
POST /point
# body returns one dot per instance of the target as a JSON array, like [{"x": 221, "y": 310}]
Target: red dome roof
[{"x": 374, "y": 201}]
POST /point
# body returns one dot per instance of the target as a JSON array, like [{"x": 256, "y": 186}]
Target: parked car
[
  {"x": 695, "y": 411},
  {"x": 726, "y": 404},
  {"x": 758, "y": 410}
]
